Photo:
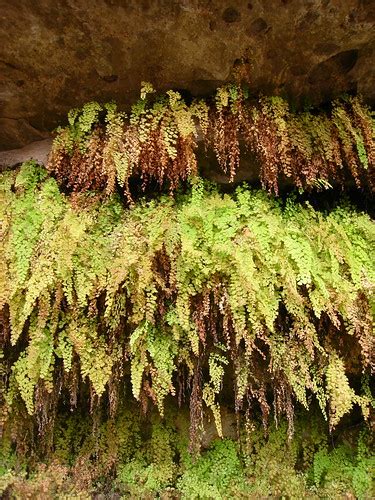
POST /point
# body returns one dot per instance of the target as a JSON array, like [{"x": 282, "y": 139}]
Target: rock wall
[{"x": 55, "y": 55}]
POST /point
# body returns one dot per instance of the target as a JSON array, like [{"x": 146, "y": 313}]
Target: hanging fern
[
  {"x": 102, "y": 147},
  {"x": 274, "y": 298}
]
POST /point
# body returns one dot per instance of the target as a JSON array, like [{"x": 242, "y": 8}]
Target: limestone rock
[{"x": 55, "y": 55}]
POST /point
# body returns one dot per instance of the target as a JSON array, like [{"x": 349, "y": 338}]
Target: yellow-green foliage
[
  {"x": 276, "y": 296},
  {"x": 148, "y": 458}
]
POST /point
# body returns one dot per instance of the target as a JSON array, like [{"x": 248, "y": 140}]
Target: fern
[
  {"x": 279, "y": 295},
  {"x": 102, "y": 147}
]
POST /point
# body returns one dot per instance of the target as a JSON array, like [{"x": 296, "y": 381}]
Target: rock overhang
[{"x": 59, "y": 55}]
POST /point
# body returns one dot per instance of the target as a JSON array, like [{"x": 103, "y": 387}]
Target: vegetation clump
[
  {"x": 128, "y": 330},
  {"x": 185, "y": 298},
  {"x": 133, "y": 457},
  {"x": 102, "y": 148}
]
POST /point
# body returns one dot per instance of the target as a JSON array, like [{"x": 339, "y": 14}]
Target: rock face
[
  {"x": 55, "y": 55},
  {"x": 37, "y": 151}
]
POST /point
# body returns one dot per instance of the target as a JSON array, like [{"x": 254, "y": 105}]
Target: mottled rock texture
[{"x": 55, "y": 55}]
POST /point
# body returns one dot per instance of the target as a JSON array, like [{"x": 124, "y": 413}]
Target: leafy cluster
[
  {"x": 204, "y": 297},
  {"x": 136, "y": 458},
  {"x": 102, "y": 148}
]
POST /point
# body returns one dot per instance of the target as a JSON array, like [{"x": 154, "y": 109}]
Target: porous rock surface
[{"x": 59, "y": 54}]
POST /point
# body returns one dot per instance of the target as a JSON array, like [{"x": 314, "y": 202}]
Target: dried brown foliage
[{"x": 157, "y": 143}]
